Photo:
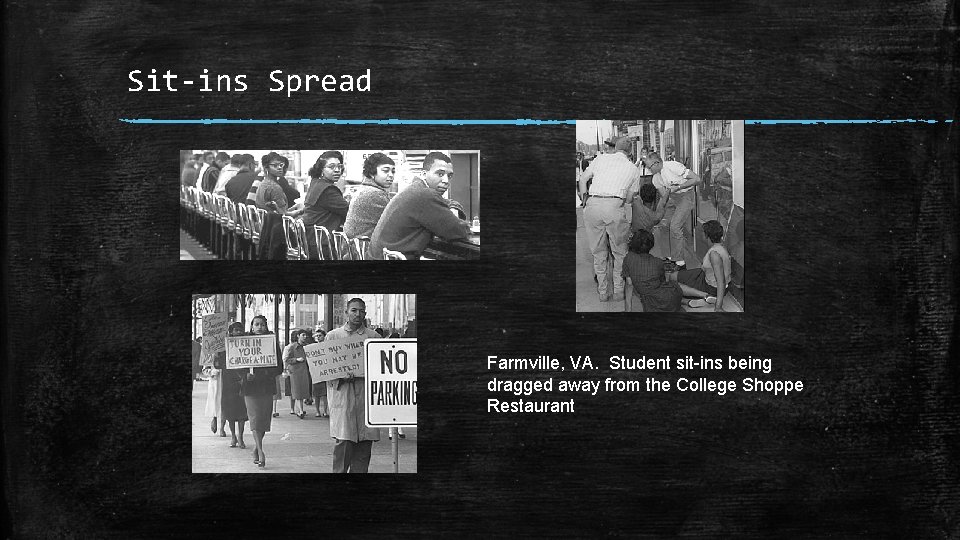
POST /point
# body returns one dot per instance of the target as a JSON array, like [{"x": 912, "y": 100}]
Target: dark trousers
[
  {"x": 349, "y": 456},
  {"x": 312, "y": 247},
  {"x": 697, "y": 279},
  {"x": 273, "y": 245}
]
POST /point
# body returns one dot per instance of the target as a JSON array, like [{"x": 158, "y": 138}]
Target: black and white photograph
[
  {"x": 330, "y": 205},
  {"x": 282, "y": 383},
  {"x": 660, "y": 215}
]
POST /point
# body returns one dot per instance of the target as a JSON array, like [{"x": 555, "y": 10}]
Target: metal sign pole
[{"x": 395, "y": 444}]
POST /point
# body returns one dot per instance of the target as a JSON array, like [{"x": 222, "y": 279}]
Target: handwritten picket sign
[
  {"x": 214, "y": 334},
  {"x": 251, "y": 351},
  {"x": 335, "y": 359}
]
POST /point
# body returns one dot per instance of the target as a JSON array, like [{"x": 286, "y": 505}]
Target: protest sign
[
  {"x": 334, "y": 359},
  {"x": 390, "y": 396},
  {"x": 251, "y": 351},
  {"x": 214, "y": 333}
]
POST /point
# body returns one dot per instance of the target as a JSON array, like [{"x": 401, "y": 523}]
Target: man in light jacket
[{"x": 354, "y": 440}]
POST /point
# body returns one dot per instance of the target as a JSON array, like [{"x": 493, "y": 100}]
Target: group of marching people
[
  {"x": 239, "y": 395},
  {"x": 235, "y": 396}
]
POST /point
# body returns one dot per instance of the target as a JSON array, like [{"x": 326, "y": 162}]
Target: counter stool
[
  {"x": 301, "y": 231},
  {"x": 245, "y": 231},
  {"x": 322, "y": 235},
  {"x": 342, "y": 246},
  {"x": 256, "y": 216},
  {"x": 290, "y": 235},
  {"x": 361, "y": 243},
  {"x": 390, "y": 255}
]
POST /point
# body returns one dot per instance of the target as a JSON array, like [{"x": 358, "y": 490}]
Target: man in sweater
[{"x": 419, "y": 212}]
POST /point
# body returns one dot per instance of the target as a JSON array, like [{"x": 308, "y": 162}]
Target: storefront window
[
  {"x": 669, "y": 149},
  {"x": 715, "y": 194}
]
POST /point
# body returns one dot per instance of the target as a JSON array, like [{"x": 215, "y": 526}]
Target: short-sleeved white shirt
[{"x": 614, "y": 175}]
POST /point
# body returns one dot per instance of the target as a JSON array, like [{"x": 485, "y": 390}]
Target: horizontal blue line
[
  {"x": 337, "y": 121},
  {"x": 505, "y": 122},
  {"x": 852, "y": 121}
]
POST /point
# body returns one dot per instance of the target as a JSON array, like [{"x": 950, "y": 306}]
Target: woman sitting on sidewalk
[
  {"x": 647, "y": 287},
  {"x": 714, "y": 274}
]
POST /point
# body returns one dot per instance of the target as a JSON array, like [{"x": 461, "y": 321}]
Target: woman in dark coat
[
  {"x": 258, "y": 388},
  {"x": 275, "y": 195},
  {"x": 295, "y": 361},
  {"x": 232, "y": 406},
  {"x": 324, "y": 204}
]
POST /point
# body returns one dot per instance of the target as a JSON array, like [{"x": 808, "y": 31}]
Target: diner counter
[{"x": 454, "y": 250}]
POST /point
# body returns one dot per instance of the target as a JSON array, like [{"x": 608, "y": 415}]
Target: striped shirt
[
  {"x": 200, "y": 173},
  {"x": 614, "y": 175},
  {"x": 254, "y": 187},
  {"x": 270, "y": 191}
]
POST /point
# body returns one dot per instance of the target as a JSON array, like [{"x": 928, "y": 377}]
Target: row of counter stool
[{"x": 232, "y": 230}]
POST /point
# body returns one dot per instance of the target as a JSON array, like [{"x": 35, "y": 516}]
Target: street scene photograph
[
  {"x": 329, "y": 205},
  {"x": 304, "y": 383},
  {"x": 660, "y": 216}
]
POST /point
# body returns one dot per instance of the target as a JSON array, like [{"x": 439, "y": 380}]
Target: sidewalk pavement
[
  {"x": 292, "y": 446},
  {"x": 588, "y": 299}
]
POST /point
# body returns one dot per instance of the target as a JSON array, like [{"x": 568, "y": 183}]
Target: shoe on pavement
[
  {"x": 698, "y": 302},
  {"x": 711, "y": 299}
]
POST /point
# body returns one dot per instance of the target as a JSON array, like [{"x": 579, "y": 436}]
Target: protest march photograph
[
  {"x": 304, "y": 383},
  {"x": 329, "y": 205},
  {"x": 660, "y": 215}
]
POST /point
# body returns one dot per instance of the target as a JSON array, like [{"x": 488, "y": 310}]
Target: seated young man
[{"x": 412, "y": 218}]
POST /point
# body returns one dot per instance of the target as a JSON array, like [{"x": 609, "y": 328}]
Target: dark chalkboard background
[{"x": 851, "y": 250}]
